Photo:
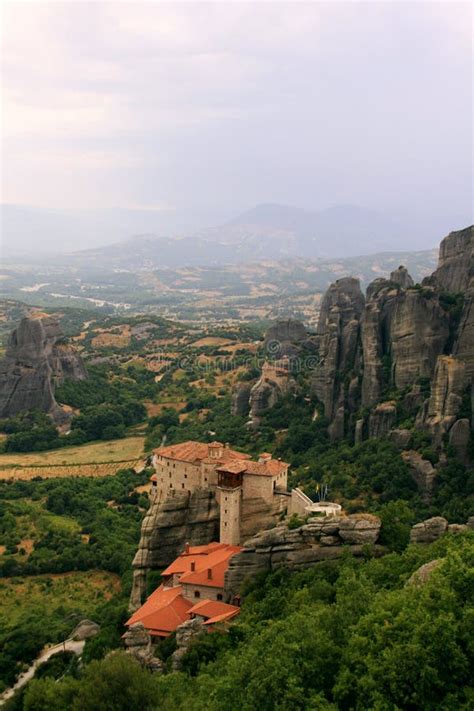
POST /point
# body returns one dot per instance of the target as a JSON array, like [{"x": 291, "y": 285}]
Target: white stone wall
[{"x": 205, "y": 592}]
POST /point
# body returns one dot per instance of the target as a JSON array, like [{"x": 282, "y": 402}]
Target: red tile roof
[
  {"x": 163, "y": 612},
  {"x": 269, "y": 467},
  {"x": 217, "y": 562},
  {"x": 191, "y": 451},
  {"x": 222, "y": 617},
  {"x": 212, "y": 608},
  {"x": 199, "y": 555}
]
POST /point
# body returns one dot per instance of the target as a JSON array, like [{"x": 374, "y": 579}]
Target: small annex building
[{"x": 193, "y": 586}]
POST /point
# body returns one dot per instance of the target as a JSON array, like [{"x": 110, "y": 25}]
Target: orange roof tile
[
  {"x": 218, "y": 565},
  {"x": 191, "y": 451},
  {"x": 270, "y": 467},
  {"x": 234, "y": 467},
  {"x": 222, "y": 617},
  {"x": 212, "y": 608},
  {"x": 199, "y": 555},
  {"x": 163, "y": 612}
]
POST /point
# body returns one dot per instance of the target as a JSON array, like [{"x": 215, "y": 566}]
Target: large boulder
[
  {"x": 240, "y": 400},
  {"x": 274, "y": 383},
  {"x": 423, "y": 573},
  {"x": 429, "y": 530}
]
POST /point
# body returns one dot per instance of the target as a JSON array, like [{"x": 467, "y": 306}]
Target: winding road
[{"x": 69, "y": 645}]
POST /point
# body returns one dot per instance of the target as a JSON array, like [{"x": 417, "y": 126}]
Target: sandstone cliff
[
  {"x": 318, "y": 540},
  {"x": 167, "y": 526},
  {"x": 338, "y": 343},
  {"x": 36, "y": 361},
  {"x": 285, "y": 338},
  {"x": 396, "y": 338},
  {"x": 274, "y": 383}
]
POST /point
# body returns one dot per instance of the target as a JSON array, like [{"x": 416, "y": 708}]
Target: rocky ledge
[{"x": 318, "y": 540}]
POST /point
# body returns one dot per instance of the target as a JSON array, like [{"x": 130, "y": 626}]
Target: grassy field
[
  {"x": 95, "y": 452},
  {"x": 65, "y": 595},
  {"x": 95, "y": 459}
]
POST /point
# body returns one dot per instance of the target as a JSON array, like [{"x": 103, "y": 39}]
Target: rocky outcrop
[
  {"x": 167, "y": 526},
  {"x": 459, "y": 437},
  {"x": 285, "y": 338},
  {"x": 36, "y": 361},
  {"x": 455, "y": 274},
  {"x": 454, "y": 270},
  {"x": 319, "y": 539},
  {"x": 401, "y": 277},
  {"x": 429, "y": 530},
  {"x": 240, "y": 400},
  {"x": 381, "y": 419},
  {"x": 185, "y": 636},
  {"x": 274, "y": 383},
  {"x": 423, "y": 573},
  {"x": 338, "y": 342},
  {"x": 138, "y": 643},
  {"x": 440, "y": 411},
  {"x": 433, "y": 528},
  {"x": 85, "y": 629},
  {"x": 400, "y": 438},
  {"x": 422, "y": 471}
]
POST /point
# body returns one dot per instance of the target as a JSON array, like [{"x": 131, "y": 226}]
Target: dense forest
[{"x": 347, "y": 634}]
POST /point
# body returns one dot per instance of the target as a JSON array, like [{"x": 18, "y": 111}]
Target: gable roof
[
  {"x": 269, "y": 467},
  {"x": 191, "y": 451},
  {"x": 212, "y": 609},
  {"x": 163, "y": 612}
]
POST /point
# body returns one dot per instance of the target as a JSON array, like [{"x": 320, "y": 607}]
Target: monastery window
[
  {"x": 185, "y": 476},
  {"x": 225, "y": 524},
  {"x": 197, "y": 593},
  {"x": 205, "y": 478},
  {"x": 225, "y": 498},
  {"x": 225, "y": 510},
  {"x": 219, "y": 596},
  {"x": 171, "y": 485},
  {"x": 182, "y": 486},
  {"x": 170, "y": 475}
]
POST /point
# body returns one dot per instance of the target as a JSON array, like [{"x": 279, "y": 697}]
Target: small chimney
[
  {"x": 265, "y": 457},
  {"x": 186, "y": 548},
  {"x": 193, "y": 566},
  {"x": 209, "y": 573}
]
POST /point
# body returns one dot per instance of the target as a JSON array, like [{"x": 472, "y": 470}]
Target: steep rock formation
[
  {"x": 382, "y": 419},
  {"x": 447, "y": 388},
  {"x": 319, "y": 539},
  {"x": 454, "y": 270},
  {"x": 459, "y": 436},
  {"x": 422, "y": 472},
  {"x": 185, "y": 635},
  {"x": 403, "y": 332},
  {"x": 273, "y": 384},
  {"x": 338, "y": 342},
  {"x": 285, "y": 338},
  {"x": 240, "y": 400},
  {"x": 36, "y": 361},
  {"x": 167, "y": 526},
  {"x": 401, "y": 277},
  {"x": 137, "y": 641}
]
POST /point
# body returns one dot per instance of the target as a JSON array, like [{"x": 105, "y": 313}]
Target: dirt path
[{"x": 69, "y": 645}]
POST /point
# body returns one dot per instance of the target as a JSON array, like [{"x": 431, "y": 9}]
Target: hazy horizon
[{"x": 171, "y": 118}]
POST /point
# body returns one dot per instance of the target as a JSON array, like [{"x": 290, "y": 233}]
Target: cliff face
[
  {"x": 338, "y": 341},
  {"x": 35, "y": 362},
  {"x": 394, "y": 339},
  {"x": 167, "y": 526},
  {"x": 285, "y": 338},
  {"x": 273, "y": 384},
  {"x": 318, "y": 540}
]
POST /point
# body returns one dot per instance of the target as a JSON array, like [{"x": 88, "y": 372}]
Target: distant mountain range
[{"x": 267, "y": 231}]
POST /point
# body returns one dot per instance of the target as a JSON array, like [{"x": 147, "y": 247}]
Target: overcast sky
[{"x": 221, "y": 106}]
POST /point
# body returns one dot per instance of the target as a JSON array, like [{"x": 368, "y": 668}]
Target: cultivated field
[{"x": 96, "y": 459}]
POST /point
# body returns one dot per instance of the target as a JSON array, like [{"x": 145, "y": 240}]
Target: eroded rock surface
[
  {"x": 422, "y": 471},
  {"x": 36, "y": 361},
  {"x": 273, "y": 384},
  {"x": 285, "y": 338},
  {"x": 429, "y": 530},
  {"x": 166, "y": 528},
  {"x": 319, "y": 539}
]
